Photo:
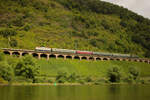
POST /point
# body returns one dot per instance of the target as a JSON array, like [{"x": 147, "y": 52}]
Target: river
[{"x": 95, "y": 92}]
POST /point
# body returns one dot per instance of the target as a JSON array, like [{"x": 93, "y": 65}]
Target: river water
[{"x": 95, "y": 92}]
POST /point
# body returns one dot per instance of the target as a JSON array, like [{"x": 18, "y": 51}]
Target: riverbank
[
  {"x": 69, "y": 84},
  {"x": 30, "y": 70}
]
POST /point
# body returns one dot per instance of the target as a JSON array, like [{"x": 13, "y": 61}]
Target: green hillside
[{"x": 73, "y": 24}]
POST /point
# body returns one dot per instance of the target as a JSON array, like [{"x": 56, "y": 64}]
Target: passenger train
[{"x": 56, "y": 50}]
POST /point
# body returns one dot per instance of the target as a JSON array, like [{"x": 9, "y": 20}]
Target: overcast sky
[{"x": 141, "y": 7}]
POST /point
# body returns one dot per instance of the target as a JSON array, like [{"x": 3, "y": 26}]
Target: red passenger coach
[{"x": 84, "y": 52}]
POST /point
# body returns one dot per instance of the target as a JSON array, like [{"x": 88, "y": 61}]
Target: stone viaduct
[{"x": 49, "y": 55}]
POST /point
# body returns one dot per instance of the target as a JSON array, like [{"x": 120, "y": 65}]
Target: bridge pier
[
  {"x": 39, "y": 55},
  {"x": 87, "y": 58},
  {"x": 95, "y": 58},
  {"x": 80, "y": 57},
  {"x": 10, "y": 52},
  {"x": 48, "y": 56},
  {"x": 102, "y": 59},
  {"x": 72, "y": 57},
  {"x": 65, "y": 57},
  {"x": 56, "y": 56},
  {"x": 20, "y": 54}
]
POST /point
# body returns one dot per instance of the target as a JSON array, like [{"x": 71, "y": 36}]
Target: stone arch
[
  {"x": 118, "y": 59},
  {"x": 60, "y": 56},
  {"x": 43, "y": 55},
  {"x": 105, "y": 59},
  {"x": 146, "y": 61},
  {"x": 16, "y": 54},
  {"x": 77, "y": 57},
  {"x": 112, "y": 58},
  {"x": 52, "y": 56},
  {"x": 35, "y": 55},
  {"x": 68, "y": 57},
  {"x": 98, "y": 58},
  {"x": 6, "y": 52},
  {"x": 84, "y": 58},
  {"x": 123, "y": 59},
  {"x": 24, "y": 54},
  {"x": 91, "y": 58}
]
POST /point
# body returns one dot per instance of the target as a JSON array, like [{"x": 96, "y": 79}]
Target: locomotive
[{"x": 56, "y": 50}]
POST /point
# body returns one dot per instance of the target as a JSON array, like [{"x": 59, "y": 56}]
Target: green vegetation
[
  {"x": 73, "y": 24},
  {"x": 27, "y": 70}
]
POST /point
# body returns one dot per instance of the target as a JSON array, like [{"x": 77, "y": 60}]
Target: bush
[
  {"x": 61, "y": 77},
  {"x": 8, "y": 32},
  {"x": 72, "y": 78},
  {"x": 88, "y": 79},
  {"x": 27, "y": 27},
  {"x": 114, "y": 74},
  {"x": 27, "y": 67},
  {"x": 6, "y": 71},
  {"x": 38, "y": 80},
  {"x": 134, "y": 72},
  {"x": 13, "y": 43}
]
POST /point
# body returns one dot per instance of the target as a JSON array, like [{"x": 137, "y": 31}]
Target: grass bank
[
  {"x": 88, "y": 68},
  {"x": 23, "y": 71}
]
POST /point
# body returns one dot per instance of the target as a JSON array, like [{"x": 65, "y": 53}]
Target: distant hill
[{"x": 73, "y": 24}]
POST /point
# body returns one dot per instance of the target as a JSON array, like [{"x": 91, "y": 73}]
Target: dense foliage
[
  {"x": 84, "y": 24},
  {"x": 27, "y": 68}
]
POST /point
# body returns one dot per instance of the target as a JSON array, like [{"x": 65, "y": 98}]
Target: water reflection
[{"x": 103, "y": 92}]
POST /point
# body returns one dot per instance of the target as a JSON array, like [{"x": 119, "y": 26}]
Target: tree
[
  {"x": 114, "y": 74},
  {"x": 27, "y": 68},
  {"x": 8, "y": 33},
  {"x": 6, "y": 71}
]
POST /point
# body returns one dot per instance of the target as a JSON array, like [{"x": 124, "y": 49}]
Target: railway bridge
[{"x": 57, "y": 55}]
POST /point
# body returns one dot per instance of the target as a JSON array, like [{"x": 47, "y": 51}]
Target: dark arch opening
[
  {"x": 123, "y": 59},
  {"x": 146, "y": 61},
  {"x": 68, "y": 57},
  {"x": 84, "y": 58},
  {"x": 118, "y": 59},
  {"x": 61, "y": 56},
  {"x": 16, "y": 54},
  {"x": 105, "y": 59},
  {"x": 76, "y": 57},
  {"x": 98, "y": 58},
  {"x": 135, "y": 60},
  {"x": 112, "y": 59},
  {"x": 52, "y": 56},
  {"x": 43, "y": 56},
  {"x": 24, "y": 54},
  {"x": 6, "y": 52},
  {"x": 91, "y": 58},
  {"x": 35, "y": 55}
]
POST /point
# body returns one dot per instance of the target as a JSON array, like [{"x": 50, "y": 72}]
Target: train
[{"x": 56, "y": 50}]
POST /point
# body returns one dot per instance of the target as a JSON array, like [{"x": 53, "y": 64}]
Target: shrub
[
  {"x": 134, "y": 72},
  {"x": 38, "y": 80},
  {"x": 72, "y": 78},
  {"x": 8, "y": 32},
  {"x": 61, "y": 77},
  {"x": 13, "y": 43},
  {"x": 27, "y": 27},
  {"x": 114, "y": 74},
  {"x": 88, "y": 79},
  {"x": 6, "y": 71}
]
